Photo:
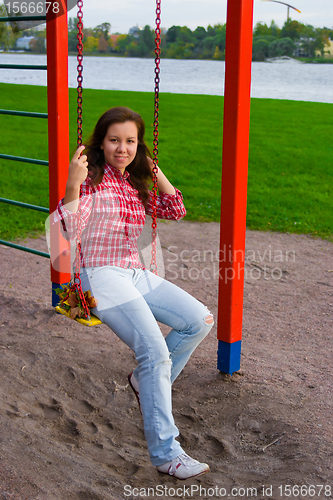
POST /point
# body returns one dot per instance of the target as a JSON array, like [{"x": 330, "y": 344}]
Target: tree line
[
  {"x": 179, "y": 42},
  {"x": 293, "y": 38}
]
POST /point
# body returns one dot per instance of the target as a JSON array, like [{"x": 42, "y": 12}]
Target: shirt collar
[{"x": 112, "y": 171}]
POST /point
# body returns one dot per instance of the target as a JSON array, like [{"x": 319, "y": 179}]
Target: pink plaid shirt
[{"x": 112, "y": 218}]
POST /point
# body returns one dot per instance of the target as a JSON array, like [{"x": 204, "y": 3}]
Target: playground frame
[{"x": 234, "y": 168}]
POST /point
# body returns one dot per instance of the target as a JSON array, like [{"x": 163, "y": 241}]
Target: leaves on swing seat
[
  {"x": 75, "y": 312},
  {"x": 62, "y": 292},
  {"x": 69, "y": 299},
  {"x": 72, "y": 299},
  {"x": 91, "y": 301}
]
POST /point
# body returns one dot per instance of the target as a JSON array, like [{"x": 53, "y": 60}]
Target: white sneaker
[{"x": 183, "y": 467}]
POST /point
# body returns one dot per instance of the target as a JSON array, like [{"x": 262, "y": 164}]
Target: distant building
[
  {"x": 135, "y": 31},
  {"x": 328, "y": 51},
  {"x": 23, "y": 43},
  {"x": 300, "y": 51},
  {"x": 114, "y": 39},
  {"x": 40, "y": 27}
]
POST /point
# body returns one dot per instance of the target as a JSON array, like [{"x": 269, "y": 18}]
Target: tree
[
  {"x": 72, "y": 34},
  {"x": 90, "y": 44},
  {"x": 322, "y": 40},
  {"x": 260, "y": 50},
  {"x": 282, "y": 47},
  {"x": 132, "y": 49},
  {"x": 211, "y": 30},
  {"x": 270, "y": 39},
  {"x": 185, "y": 35},
  {"x": 72, "y": 24},
  {"x": 102, "y": 44},
  {"x": 37, "y": 44},
  {"x": 291, "y": 29},
  {"x": 8, "y": 35},
  {"x": 176, "y": 50},
  {"x": 218, "y": 55},
  {"x": 113, "y": 43},
  {"x": 261, "y": 30},
  {"x": 199, "y": 33},
  {"x": 123, "y": 43},
  {"x": 308, "y": 39},
  {"x": 275, "y": 30},
  {"x": 102, "y": 29},
  {"x": 3, "y": 29},
  {"x": 208, "y": 47},
  {"x": 181, "y": 43},
  {"x": 220, "y": 36},
  {"x": 147, "y": 37},
  {"x": 172, "y": 34},
  {"x": 188, "y": 50}
]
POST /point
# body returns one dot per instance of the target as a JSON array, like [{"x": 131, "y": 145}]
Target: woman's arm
[
  {"x": 77, "y": 174},
  {"x": 163, "y": 184},
  {"x": 66, "y": 212},
  {"x": 169, "y": 203}
]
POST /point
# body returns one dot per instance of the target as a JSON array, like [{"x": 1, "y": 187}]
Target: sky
[{"x": 124, "y": 14}]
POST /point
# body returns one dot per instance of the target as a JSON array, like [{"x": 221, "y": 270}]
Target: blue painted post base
[
  {"x": 228, "y": 356},
  {"x": 55, "y": 298}
]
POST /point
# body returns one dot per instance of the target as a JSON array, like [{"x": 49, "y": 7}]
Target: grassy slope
[{"x": 290, "y": 168}]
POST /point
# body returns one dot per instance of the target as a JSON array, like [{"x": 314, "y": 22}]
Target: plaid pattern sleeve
[
  {"x": 169, "y": 206},
  {"x": 68, "y": 219}
]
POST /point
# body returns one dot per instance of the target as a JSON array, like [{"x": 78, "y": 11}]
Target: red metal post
[
  {"x": 58, "y": 132},
  {"x": 234, "y": 182}
]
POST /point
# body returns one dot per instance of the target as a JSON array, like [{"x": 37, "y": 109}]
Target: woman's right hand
[
  {"x": 77, "y": 173},
  {"x": 78, "y": 169}
]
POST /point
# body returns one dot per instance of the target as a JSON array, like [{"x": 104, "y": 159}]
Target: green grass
[
  {"x": 290, "y": 164},
  {"x": 290, "y": 168}
]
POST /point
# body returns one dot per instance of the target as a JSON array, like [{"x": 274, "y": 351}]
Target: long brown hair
[{"x": 139, "y": 169}]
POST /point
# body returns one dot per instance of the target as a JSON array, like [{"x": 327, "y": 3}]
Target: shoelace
[{"x": 181, "y": 460}]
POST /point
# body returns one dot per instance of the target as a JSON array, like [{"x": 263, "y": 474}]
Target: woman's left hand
[{"x": 163, "y": 184}]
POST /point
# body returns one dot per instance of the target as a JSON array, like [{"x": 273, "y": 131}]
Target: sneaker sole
[{"x": 188, "y": 477}]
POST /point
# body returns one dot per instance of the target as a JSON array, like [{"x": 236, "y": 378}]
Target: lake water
[{"x": 287, "y": 79}]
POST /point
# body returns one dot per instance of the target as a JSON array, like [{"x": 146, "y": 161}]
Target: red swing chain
[
  {"x": 153, "y": 265},
  {"x": 79, "y": 71},
  {"x": 77, "y": 286}
]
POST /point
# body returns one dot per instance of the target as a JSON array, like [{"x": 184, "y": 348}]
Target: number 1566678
[{"x": 32, "y": 7}]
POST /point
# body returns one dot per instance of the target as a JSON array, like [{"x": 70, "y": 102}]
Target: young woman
[{"x": 114, "y": 176}]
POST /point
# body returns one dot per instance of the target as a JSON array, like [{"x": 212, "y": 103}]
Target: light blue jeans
[{"x": 130, "y": 302}]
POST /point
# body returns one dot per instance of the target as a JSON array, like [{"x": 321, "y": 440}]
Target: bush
[
  {"x": 282, "y": 47},
  {"x": 260, "y": 50}
]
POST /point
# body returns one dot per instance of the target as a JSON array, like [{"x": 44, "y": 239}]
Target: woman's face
[{"x": 120, "y": 144}]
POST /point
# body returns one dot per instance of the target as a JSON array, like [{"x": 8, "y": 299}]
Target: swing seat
[{"x": 93, "y": 321}]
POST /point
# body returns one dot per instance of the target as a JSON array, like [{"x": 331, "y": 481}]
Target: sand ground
[{"x": 70, "y": 428}]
